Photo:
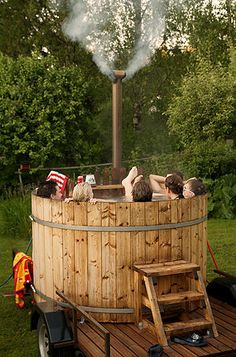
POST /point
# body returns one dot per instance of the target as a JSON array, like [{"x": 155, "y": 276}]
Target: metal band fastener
[
  {"x": 157, "y": 227},
  {"x": 107, "y": 310}
]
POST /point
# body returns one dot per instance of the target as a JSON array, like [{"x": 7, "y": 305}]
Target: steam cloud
[{"x": 106, "y": 28}]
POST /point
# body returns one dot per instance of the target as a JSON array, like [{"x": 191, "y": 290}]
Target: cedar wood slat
[{"x": 163, "y": 269}]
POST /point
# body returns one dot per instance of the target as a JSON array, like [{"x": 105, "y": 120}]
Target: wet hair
[
  {"x": 142, "y": 192},
  {"x": 46, "y": 189},
  {"x": 179, "y": 173},
  {"x": 82, "y": 192},
  {"x": 175, "y": 183},
  {"x": 196, "y": 186},
  {"x": 175, "y": 172}
]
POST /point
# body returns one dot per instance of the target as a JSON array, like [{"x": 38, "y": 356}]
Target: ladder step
[
  {"x": 183, "y": 296},
  {"x": 163, "y": 269},
  {"x": 182, "y": 327}
]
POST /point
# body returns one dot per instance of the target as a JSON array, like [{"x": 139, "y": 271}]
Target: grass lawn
[
  {"x": 16, "y": 339},
  {"x": 222, "y": 238}
]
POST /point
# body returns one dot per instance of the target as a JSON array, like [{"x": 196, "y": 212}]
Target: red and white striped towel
[{"x": 59, "y": 178}]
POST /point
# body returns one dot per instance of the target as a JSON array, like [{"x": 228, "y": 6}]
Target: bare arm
[{"x": 157, "y": 183}]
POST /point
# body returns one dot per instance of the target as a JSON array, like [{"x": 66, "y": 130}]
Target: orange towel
[{"x": 23, "y": 274}]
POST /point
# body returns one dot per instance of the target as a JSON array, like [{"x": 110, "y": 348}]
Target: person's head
[
  {"x": 194, "y": 187},
  {"x": 49, "y": 189},
  {"x": 82, "y": 192},
  {"x": 174, "y": 185},
  {"x": 142, "y": 192},
  {"x": 176, "y": 172}
]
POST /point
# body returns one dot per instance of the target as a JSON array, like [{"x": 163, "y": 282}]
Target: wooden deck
[{"x": 128, "y": 341}]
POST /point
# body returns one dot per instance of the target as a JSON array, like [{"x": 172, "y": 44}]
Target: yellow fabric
[{"x": 22, "y": 275}]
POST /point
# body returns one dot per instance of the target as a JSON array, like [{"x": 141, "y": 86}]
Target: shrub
[{"x": 222, "y": 197}]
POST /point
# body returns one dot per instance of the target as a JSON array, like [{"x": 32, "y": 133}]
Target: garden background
[{"x": 179, "y": 112}]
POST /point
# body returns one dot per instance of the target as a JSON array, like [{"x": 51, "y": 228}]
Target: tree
[
  {"x": 207, "y": 27},
  {"x": 202, "y": 115},
  {"x": 213, "y": 30},
  {"x": 27, "y": 26},
  {"x": 46, "y": 114}
]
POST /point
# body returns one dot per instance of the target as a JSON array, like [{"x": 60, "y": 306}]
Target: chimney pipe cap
[{"x": 119, "y": 74}]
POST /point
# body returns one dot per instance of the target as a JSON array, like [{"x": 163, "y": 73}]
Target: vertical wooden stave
[
  {"x": 186, "y": 239},
  {"x": 81, "y": 254},
  {"x": 108, "y": 261},
  {"x": 57, "y": 247},
  {"x": 176, "y": 244},
  {"x": 137, "y": 218},
  {"x": 113, "y": 259},
  {"x": 164, "y": 244},
  {"x": 137, "y": 244},
  {"x": 194, "y": 233},
  {"x": 48, "y": 254},
  {"x": 68, "y": 250},
  {"x": 95, "y": 258},
  {"x": 123, "y": 259},
  {"x": 152, "y": 237},
  {"x": 41, "y": 204}
]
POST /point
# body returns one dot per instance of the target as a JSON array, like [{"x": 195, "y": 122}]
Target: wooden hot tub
[{"x": 87, "y": 250}]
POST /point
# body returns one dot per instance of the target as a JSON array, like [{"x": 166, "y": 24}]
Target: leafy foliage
[
  {"x": 46, "y": 113},
  {"x": 205, "y": 106},
  {"x": 214, "y": 24},
  {"x": 202, "y": 117},
  {"x": 222, "y": 197},
  {"x": 209, "y": 159},
  {"x": 207, "y": 27}
]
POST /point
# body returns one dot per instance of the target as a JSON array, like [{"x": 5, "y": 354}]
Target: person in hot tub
[
  {"x": 157, "y": 182},
  {"x": 174, "y": 187},
  {"x": 194, "y": 187},
  {"x": 136, "y": 188},
  {"x": 82, "y": 192},
  {"x": 49, "y": 189}
]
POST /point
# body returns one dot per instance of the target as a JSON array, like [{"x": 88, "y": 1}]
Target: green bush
[
  {"x": 222, "y": 197},
  {"x": 46, "y": 115},
  {"x": 15, "y": 213}
]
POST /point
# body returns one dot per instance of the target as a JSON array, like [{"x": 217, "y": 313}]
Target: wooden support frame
[
  {"x": 156, "y": 314},
  {"x": 208, "y": 310},
  {"x": 196, "y": 292}
]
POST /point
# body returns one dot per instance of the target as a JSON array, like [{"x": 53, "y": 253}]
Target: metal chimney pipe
[{"x": 117, "y": 117}]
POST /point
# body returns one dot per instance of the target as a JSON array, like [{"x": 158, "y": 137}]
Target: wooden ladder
[{"x": 150, "y": 274}]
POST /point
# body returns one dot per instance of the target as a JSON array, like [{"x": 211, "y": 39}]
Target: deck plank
[
  {"x": 127, "y": 340},
  {"x": 217, "y": 343},
  {"x": 98, "y": 342}
]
